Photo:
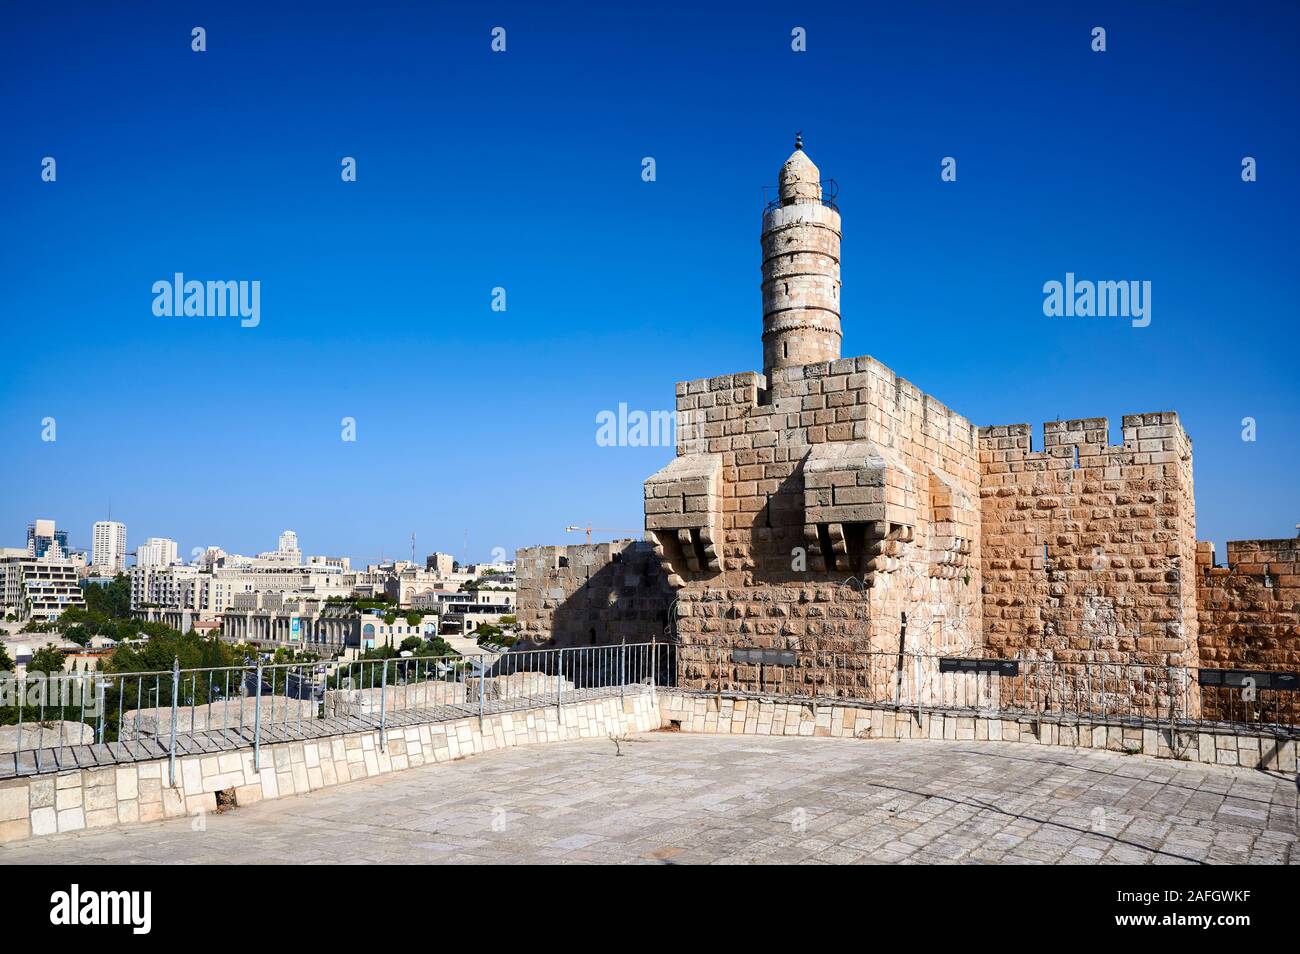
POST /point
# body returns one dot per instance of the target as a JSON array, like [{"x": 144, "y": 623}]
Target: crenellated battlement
[
  {"x": 828, "y": 504},
  {"x": 1153, "y": 438}
]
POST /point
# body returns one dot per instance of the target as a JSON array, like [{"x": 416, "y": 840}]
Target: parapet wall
[
  {"x": 594, "y": 594},
  {"x": 142, "y": 792},
  {"x": 1250, "y": 609},
  {"x": 1088, "y": 548},
  {"x": 695, "y": 712}
]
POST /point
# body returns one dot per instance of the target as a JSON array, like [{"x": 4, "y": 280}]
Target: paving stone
[{"x": 692, "y": 799}]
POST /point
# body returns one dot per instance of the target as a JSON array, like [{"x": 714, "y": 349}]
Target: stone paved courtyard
[{"x": 688, "y": 799}]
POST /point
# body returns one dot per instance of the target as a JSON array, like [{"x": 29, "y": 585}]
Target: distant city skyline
[
  {"x": 281, "y": 537},
  {"x": 375, "y": 309}
]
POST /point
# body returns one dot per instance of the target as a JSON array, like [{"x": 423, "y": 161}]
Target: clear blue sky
[{"x": 522, "y": 170}]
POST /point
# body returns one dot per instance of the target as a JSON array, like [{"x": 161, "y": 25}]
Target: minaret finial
[{"x": 798, "y": 140}]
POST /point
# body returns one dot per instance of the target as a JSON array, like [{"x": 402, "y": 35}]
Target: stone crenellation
[{"x": 828, "y": 505}]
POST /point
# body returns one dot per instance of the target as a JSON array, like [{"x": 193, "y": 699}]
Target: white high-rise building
[
  {"x": 156, "y": 551},
  {"x": 108, "y": 547},
  {"x": 286, "y": 552}
]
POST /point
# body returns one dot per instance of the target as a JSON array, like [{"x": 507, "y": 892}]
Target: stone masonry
[
  {"x": 594, "y": 594},
  {"x": 828, "y": 506},
  {"x": 143, "y": 791}
]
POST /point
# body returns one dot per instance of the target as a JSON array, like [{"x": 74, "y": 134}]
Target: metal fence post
[
  {"x": 383, "y": 703},
  {"x": 559, "y": 682},
  {"x": 102, "y": 686},
  {"x": 171, "y": 748},
  {"x": 257, "y": 721},
  {"x": 622, "y": 670},
  {"x": 482, "y": 678},
  {"x": 898, "y": 673}
]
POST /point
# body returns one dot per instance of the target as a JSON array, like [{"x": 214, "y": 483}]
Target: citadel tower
[
  {"x": 801, "y": 269},
  {"x": 826, "y": 517}
]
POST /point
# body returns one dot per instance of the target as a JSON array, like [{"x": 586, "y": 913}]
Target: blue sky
[{"x": 522, "y": 170}]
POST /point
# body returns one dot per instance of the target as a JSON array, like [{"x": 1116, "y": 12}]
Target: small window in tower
[{"x": 785, "y": 349}]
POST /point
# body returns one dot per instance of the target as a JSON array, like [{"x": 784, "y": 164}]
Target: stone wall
[
  {"x": 846, "y": 498},
  {"x": 1249, "y": 612},
  {"x": 236, "y": 712},
  {"x": 140, "y": 792},
  {"x": 597, "y": 594},
  {"x": 1250, "y": 609},
  {"x": 1089, "y": 549},
  {"x": 351, "y": 703},
  {"x": 45, "y": 735},
  {"x": 703, "y": 713}
]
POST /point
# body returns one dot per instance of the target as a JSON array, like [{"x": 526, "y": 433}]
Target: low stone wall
[
  {"x": 517, "y": 685},
  {"x": 347, "y": 703},
  {"x": 45, "y": 735},
  {"x": 226, "y": 714},
  {"x": 139, "y": 792},
  {"x": 344, "y": 703},
  {"x": 700, "y": 713}
]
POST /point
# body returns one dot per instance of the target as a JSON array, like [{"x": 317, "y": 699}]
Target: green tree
[
  {"x": 6, "y": 661},
  {"x": 112, "y": 601},
  {"x": 47, "y": 659}
]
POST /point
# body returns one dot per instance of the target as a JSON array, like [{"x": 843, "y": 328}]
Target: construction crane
[{"x": 588, "y": 528}]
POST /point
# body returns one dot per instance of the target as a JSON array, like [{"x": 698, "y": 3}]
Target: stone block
[
  {"x": 173, "y": 802},
  {"x": 201, "y": 803},
  {"x": 15, "y": 830},
  {"x": 41, "y": 791},
  {"x": 102, "y": 817},
  {"x": 14, "y": 801},
  {"x": 67, "y": 798},
  {"x": 100, "y": 798},
  {"x": 45, "y": 820},
  {"x": 128, "y": 783}
]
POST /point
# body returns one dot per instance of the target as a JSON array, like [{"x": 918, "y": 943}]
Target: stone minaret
[{"x": 801, "y": 270}]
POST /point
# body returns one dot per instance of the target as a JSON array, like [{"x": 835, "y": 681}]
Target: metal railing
[
  {"x": 51, "y": 723},
  {"x": 1101, "y": 692},
  {"x": 68, "y": 721},
  {"x": 830, "y": 193}
]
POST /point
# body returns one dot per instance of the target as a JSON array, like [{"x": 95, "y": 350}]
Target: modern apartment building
[
  {"x": 38, "y": 588},
  {"x": 462, "y": 613},
  {"x": 108, "y": 547},
  {"x": 209, "y": 591},
  {"x": 157, "y": 551}
]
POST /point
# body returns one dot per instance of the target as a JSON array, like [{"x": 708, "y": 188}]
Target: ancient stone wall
[
  {"x": 1088, "y": 548},
  {"x": 844, "y": 498},
  {"x": 1249, "y": 614},
  {"x": 595, "y": 594},
  {"x": 1250, "y": 608}
]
